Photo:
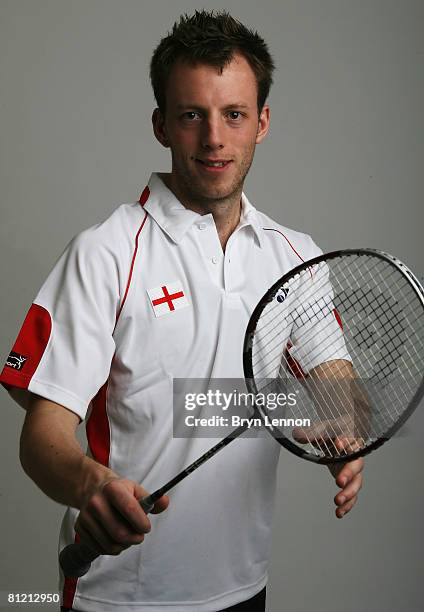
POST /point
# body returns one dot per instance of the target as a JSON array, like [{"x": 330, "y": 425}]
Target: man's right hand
[{"x": 111, "y": 519}]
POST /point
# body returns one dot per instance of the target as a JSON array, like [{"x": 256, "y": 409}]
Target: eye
[
  {"x": 191, "y": 115},
  {"x": 234, "y": 115}
]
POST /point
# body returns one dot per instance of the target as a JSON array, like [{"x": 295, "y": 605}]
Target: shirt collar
[
  {"x": 250, "y": 217},
  {"x": 175, "y": 219}
]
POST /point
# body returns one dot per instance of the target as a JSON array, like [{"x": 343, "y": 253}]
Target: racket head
[{"x": 368, "y": 308}]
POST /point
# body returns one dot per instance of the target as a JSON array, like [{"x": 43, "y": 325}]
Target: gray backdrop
[{"x": 343, "y": 162}]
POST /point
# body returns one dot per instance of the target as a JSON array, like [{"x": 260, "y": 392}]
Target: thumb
[{"x": 160, "y": 505}]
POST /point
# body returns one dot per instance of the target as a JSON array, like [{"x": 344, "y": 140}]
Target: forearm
[{"x": 52, "y": 457}]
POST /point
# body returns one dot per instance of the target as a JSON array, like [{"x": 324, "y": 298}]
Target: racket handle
[{"x": 76, "y": 559}]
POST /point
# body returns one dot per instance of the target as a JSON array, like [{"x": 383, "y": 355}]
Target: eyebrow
[{"x": 226, "y": 107}]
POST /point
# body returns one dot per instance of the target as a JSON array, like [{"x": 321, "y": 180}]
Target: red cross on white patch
[{"x": 167, "y": 298}]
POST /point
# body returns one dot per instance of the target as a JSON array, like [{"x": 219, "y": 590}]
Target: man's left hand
[{"x": 348, "y": 477}]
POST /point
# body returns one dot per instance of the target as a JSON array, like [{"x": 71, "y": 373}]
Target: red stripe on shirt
[
  {"x": 144, "y": 196},
  {"x": 293, "y": 366},
  {"x": 273, "y": 229},
  {"x": 338, "y": 318},
  {"x": 131, "y": 268},
  {"x": 70, "y": 586},
  {"x": 30, "y": 345},
  {"x": 69, "y": 589},
  {"x": 98, "y": 429}
]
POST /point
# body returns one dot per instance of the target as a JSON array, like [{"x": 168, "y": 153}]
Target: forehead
[{"x": 208, "y": 85}]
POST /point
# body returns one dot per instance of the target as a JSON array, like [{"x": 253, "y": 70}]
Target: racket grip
[{"x": 76, "y": 559}]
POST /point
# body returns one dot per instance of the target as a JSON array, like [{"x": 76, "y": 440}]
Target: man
[{"x": 163, "y": 289}]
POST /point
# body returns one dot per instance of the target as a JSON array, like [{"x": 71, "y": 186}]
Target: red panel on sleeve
[{"x": 28, "y": 349}]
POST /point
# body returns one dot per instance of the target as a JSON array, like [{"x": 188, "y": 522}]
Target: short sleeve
[
  {"x": 317, "y": 333},
  {"x": 65, "y": 347}
]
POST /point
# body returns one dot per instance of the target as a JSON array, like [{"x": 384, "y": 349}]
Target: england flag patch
[{"x": 167, "y": 298}]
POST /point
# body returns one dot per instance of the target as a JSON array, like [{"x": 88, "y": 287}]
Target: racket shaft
[
  {"x": 76, "y": 559},
  {"x": 153, "y": 497}
]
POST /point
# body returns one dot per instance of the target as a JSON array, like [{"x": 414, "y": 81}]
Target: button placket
[{"x": 210, "y": 246}]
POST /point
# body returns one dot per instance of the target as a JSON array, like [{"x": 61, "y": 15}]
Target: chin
[{"x": 217, "y": 187}]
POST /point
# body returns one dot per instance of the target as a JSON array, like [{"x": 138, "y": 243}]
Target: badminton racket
[{"x": 341, "y": 334}]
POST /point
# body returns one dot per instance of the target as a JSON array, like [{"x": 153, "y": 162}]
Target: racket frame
[{"x": 250, "y": 334}]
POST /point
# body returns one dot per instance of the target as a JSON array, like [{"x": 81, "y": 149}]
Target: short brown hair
[{"x": 212, "y": 38}]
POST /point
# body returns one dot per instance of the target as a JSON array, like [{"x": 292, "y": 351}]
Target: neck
[{"x": 226, "y": 212}]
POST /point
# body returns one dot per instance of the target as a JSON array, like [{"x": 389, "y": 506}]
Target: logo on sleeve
[
  {"x": 167, "y": 298},
  {"x": 16, "y": 361}
]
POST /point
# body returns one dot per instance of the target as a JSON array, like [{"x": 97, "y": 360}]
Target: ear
[
  {"x": 263, "y": 124},
  {"x": 159, "y": 129}
]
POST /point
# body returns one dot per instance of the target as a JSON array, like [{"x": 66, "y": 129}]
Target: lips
[{"x": 214, "y": 165}]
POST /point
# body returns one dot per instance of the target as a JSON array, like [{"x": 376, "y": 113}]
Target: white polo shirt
[{"x": 132, "y": 303}]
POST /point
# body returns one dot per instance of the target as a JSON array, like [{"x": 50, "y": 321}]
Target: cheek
[
  {"x": 249, "y": 144},
  {"x": 247, "y": 137},
  {"x": 184, "y": 143}
]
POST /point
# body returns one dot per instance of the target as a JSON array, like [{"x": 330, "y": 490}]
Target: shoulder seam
[
  {"x": 131, "y": 267},
  {"x": 273, "y": 229}
]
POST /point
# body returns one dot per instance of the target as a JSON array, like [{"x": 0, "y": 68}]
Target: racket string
[
  {"x": 382, "y": 321},
  {"x": 321, "y": 398}
]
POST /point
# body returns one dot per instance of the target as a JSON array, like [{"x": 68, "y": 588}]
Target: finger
[
  {"x": 99, "y": 507},
  {"x": 126, "y": 503},
  {"x": 350, "y": 491},
  {"x": 316, "y": 434},
  {"x": 319, "y": 437},
  {"x": 347, "y": 507},
  {"x": 114, "y": 524},
  {"x": 349, "y": 471},
  {"x": 161, "y": 504},
  {"x": 97, "y": 537},
  {"x": 349, "y": 445},
  {"x": 324, "y": 438}
]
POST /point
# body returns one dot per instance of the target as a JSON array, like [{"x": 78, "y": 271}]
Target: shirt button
[
  {"x": 202, "y": 226},
  {"x": 214, "y": 259}
]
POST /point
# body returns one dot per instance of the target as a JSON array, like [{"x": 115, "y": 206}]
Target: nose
[{"x": 212, "y": 136}]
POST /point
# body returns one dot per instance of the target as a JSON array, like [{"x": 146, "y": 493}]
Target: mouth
[{"x": 214, "y": 165}]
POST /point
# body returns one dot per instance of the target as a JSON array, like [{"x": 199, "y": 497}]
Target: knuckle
[
  {"x": 121, "y": 536},
  {"x": 112, "y": 483},
  {"x": 351, "y": 503},
  {"x": 93, "y": 504}
]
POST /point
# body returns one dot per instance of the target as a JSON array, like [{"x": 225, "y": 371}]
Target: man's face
[{"x": 212, "y": 127}]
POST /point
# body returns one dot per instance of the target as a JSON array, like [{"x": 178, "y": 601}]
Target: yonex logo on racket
[{"x": 281, "y": 295}]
